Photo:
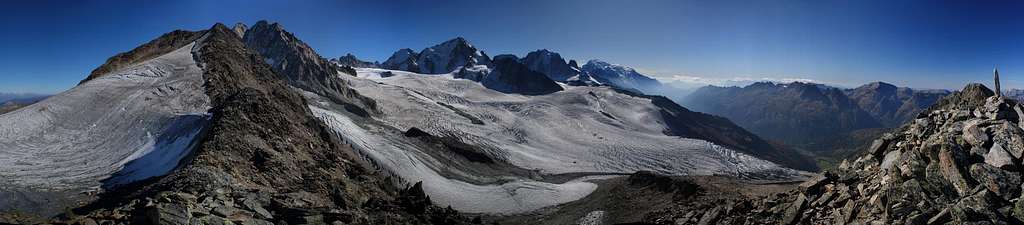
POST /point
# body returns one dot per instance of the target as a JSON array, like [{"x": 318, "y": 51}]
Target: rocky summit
[{"x": 956, "y": 163}]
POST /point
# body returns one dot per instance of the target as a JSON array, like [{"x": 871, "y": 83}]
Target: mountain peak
[{"x": 878, "y": 85}]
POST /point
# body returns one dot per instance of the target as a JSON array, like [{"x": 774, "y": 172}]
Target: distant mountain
[
  {"x": 464, "y": 61},
  {"x": 13, "y": 101},
  {"x": 1016, "y": 94},
  {"x": 438, "y": 59},
  {"x": 829, "y": 122},
  {"x": 510, "y": 76},
  {"x": 555, "y": 67},
  {"x": 351, "y": 61},
  {"x": 551, "y": 64},
  {"x": 892, "y": 105},
  {"x": 794, "y": 113},
  {"x": 622, "y": 77}
]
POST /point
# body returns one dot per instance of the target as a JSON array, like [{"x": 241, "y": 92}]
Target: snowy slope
[
  {"x": 126, "y": 126},
  {"x": 591, "y": 130}
]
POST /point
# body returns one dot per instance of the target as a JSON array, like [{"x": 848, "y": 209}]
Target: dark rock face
[
  {"x": 926, "y": 172},
  {"x": 510, "y": 76},
  {"x": 351, "y": 61},
  {"x": 892, "y": 105},
  {"x": 264, "y": 160},
  {"x": 404, "y": 60},
  {"x": 164, "y": 44},
  {"x": 551, "y": 64},
  {"x": 301, "y": 66},
  {"x": 794, "y": 113}
]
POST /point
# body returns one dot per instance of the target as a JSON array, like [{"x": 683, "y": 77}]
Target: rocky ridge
[
  {"x": 264, "y": 160},
  {"x": 959, "y": 162}
]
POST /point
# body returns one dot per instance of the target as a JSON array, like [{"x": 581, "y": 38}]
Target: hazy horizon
[{"x": 53, "y": 44}]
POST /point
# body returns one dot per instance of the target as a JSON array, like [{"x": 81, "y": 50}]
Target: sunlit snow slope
[
  {"x": 585, "y": 130},
  {"x": 125, "y": 126}
]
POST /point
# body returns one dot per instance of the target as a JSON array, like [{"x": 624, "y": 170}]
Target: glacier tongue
[
  {"x": 126, "y": 126},
  {"x": 582, "y": 130}
]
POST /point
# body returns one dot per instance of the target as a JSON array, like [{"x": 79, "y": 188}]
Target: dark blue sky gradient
[{"x": 48, "y": 46}]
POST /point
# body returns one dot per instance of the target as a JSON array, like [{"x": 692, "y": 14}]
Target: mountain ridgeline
[{"x": 818, "y": 118}]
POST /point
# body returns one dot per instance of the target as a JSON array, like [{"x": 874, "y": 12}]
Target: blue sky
[{"x": 48, "y": 46}]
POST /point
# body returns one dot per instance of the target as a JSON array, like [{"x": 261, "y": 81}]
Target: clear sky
[{"x": 48, "y": 46}]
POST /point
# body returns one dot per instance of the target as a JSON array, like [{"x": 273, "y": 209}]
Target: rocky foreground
[{"x": 959, "y": 162}]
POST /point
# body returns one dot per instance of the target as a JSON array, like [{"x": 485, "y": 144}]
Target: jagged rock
[
  {"x": 949, "y": 164},
  {"x": 168, "y": 213},
  {"x": 998, "y": 157},
  {"x": 878, "y": 147},
  {"x": 1010, "y": 136},
  {"x": 710, "y": 216},
  {"x": 815, "y": 183},
  {"x": 940, "y": 218},
  {"x": 794, "y": 210},
  {"x": 1003, "y": 183},
  {"x": 974, "y": 134}
]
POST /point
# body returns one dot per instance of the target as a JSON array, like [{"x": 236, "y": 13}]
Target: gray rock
[
  {"x": 814, "y": 183},
  {"x": 941, "y": 218},
  {"x": 1002, "y": 183},
  {"x": 710, "y": 216},
  {"x": 998, "y": 157},
  {"x": 973, "y": 134},
  {"x": 794, "y": 211},
  {"x": 168, "y": 213}
]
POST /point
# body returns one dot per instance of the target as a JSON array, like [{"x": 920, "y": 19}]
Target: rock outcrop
[{"x": 302, "y": 67}]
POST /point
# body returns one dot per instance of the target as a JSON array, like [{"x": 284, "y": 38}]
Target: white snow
[
  {"x": 563, "y": 132},
  {"x": 136, "y": 123}
]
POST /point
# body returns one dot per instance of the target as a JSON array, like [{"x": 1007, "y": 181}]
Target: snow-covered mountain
[
  {"x": 438, "y": 59},
  {"x": 622, "y": 77},
  {"x": 513, "y": 145},
  {"x": 135, "y": 122}
]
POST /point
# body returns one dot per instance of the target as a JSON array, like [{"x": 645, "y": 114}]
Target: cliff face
[{"x": 302, "y": 67}]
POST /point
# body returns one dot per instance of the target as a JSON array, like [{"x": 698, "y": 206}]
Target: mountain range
[
  {"x": 819, "y": 118},
  {"x": 12, "y": 101},
  {"x": 249, "y": 124}
]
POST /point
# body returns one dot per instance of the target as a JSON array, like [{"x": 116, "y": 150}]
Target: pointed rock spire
[{"x": 995, "y": 73}]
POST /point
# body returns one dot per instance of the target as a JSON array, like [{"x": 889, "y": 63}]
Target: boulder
[
  {"x": 949, "y": 166},
  {"x": 1002, "y": 183},
  {"x": 794, "y": 211},
  {"x": 973, "y": 134},
  {"x": 998, "y": 157},
  {"x": 813, "y": 185},
  {"x": 168, "y": 213}
]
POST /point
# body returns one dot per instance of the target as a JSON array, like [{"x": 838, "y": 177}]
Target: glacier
[
  {"x": 586, "y": 132},
  {"x": 125, "y": 126}
]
